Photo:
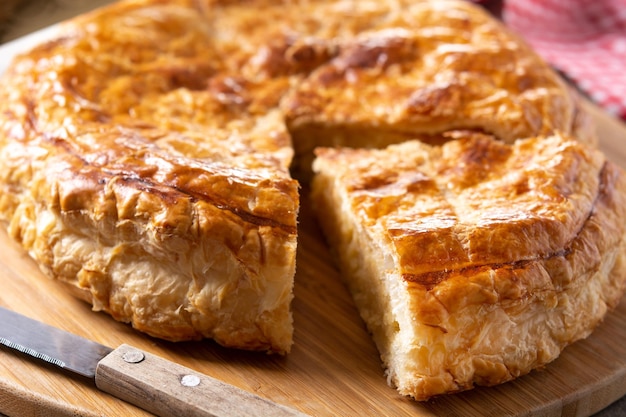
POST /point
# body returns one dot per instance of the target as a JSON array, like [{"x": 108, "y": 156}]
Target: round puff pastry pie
[{"x": 145, "y": 158}]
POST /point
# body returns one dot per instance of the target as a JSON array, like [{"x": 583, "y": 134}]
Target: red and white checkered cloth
[{"x": 584, "y": 39}]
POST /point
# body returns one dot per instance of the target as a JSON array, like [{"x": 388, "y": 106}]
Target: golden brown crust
[
  {"x": 492, "y": 257},
  {"x": 426, "y": 68}
]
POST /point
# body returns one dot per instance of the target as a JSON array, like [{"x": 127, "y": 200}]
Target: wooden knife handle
[{"x": 168, "y": 389}]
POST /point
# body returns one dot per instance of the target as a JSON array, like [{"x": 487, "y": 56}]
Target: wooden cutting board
[{"x": 334, "y": 368}]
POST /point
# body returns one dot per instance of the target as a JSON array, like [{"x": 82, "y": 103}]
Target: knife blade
[{"x": 143, "y": 379}]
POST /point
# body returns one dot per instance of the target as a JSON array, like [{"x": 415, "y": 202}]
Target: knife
[{"x": 138, "y": 377}]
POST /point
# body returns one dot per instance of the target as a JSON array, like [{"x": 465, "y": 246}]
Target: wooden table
[{"x": 334, "y": 368}]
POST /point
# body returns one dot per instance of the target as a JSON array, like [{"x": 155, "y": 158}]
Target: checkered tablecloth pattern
[{"x": 584, "y": 39}]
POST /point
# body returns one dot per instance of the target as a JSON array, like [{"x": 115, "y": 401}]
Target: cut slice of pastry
[{"x": 474, "y": 262}]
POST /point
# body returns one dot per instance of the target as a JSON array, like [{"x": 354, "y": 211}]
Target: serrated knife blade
[
  {"x": 138, "y": 377},
  {"x": 50, "y": 344}
]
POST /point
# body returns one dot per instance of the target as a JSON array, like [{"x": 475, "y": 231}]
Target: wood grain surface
[{"x": 334, "y": 368}]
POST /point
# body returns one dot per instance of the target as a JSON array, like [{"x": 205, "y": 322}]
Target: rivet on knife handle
[{"x": 168, "y": 389}]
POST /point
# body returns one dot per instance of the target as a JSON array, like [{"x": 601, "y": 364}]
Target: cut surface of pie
[{"x": 148, "y": 156}]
